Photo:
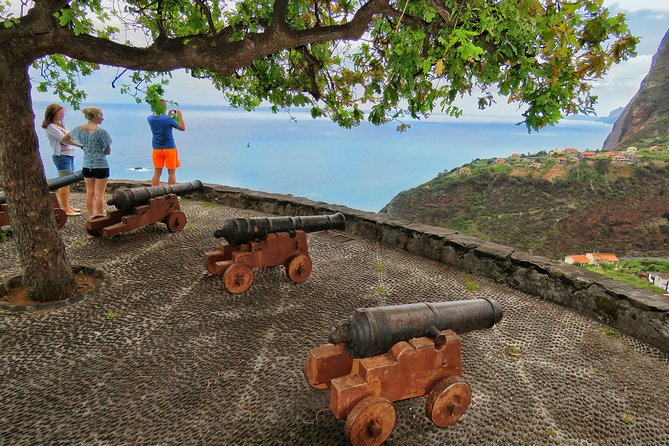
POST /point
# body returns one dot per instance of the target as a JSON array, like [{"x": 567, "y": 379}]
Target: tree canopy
[
  {"x": 380, "y": 58},
  {"x": 347, "y": 60}
]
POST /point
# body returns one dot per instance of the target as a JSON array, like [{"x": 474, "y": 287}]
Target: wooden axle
[
  {"x": 163, "y": 209},
  {"x": 237, "y": 262},
  {"x": 362, "y": 390},
  {"x": 58, "y": 213}
]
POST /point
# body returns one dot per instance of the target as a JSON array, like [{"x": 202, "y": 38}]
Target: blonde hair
[
  {"x": 50, "y": 113},
  {"x": 91, "y": 113}
]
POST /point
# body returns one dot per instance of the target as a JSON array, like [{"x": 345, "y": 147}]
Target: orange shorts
[{"x": 166, "y": 158}]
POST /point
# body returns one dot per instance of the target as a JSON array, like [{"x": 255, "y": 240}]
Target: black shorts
[{"x": 99, "y": 174}]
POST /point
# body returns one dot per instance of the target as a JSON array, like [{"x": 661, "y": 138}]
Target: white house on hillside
[{"x": 660, "y": 280}]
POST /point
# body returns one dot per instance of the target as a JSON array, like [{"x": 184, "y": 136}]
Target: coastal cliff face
[
  {"x": 586, "y": 207},
  {"x": 645, "y": 120}
]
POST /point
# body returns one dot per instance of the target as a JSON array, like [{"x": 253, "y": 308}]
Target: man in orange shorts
[{"x": 164, "y": 148}]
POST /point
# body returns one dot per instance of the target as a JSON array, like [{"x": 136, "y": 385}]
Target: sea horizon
[{"x": 293, "y": 154}]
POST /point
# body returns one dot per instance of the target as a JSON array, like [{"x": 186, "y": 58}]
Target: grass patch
[
  {"x": 77, "y": 243},
  {"x": 209, "y": 204},
  {"x": 612, "y": 332},
  {"x": 626, "y": 277},
  {"x": 512, "y": 350}
]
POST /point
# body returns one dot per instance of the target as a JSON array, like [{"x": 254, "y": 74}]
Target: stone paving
[{"x": 161, "y": 354}]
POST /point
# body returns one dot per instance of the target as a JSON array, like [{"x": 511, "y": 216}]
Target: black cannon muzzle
[
  {"x": 56, "y": 183},
  {"x": 238, "y": 231},
  {"x": 125, "y": 199},
  {"x": 373, "y": 331}
]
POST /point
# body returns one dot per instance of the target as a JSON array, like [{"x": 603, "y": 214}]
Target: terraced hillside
[{"x": 551, "y": 207}]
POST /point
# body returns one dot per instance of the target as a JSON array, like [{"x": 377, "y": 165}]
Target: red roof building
[
  {"x": 601, "y": 257},
  {"x": 577, "y": 259}
]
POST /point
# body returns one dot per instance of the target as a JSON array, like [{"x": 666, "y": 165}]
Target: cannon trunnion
[
  {"x": 424, "y": 359},
  {"x": 141, "y": 206},
  {"x": 266, "y": 241}
]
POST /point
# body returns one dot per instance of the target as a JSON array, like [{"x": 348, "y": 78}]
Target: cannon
[
  {"x": 266, "y": 241},
  {"x": 384, "y": 354},
  {"x": 54, "y": 184},
  {"x": 141, "y": 206}
]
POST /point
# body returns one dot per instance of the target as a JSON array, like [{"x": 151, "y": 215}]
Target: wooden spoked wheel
[
  {"x": 238, "y": 278},
  {"x": 60, "y": 216},
  {"x": 88, "y": 226},
  {"x": 370, "y": 422},
  {"x": 299, "y": 268},
  {"x": 175, "y": 221},
  {"x": 448, "y": 401}
]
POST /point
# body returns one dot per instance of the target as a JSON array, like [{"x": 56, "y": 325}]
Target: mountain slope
[
  {"x": 586, "y": 207},
  {"x": 645, "y": 120}
]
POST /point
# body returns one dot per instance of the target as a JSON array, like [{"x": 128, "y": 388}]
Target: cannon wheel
[
  {"x": 89, "y": 228},
  {"x": 370, "y": 422},
  {"x": 238, "y": 278},
  {"x": 60, "y": 216},
  {"x": 175, "y": 221},
  {"x": 299, "y": 268},
  {"x": 448, "y": 401}
]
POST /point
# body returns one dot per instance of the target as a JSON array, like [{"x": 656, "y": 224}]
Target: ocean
[{"x": 363, "y": 167}]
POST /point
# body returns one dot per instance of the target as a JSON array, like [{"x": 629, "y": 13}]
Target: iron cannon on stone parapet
[
  {"x": 54, "y": 184},
  {"x": 141, "y": 206},
  {"x": 266, "y": 241},
  {"x": 384, "y": 354}
]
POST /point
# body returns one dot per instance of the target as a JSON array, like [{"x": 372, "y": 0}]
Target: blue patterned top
[{"x": 94, "y": 146}]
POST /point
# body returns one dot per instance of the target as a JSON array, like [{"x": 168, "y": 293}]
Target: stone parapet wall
[{"x": 634, "y": 311}]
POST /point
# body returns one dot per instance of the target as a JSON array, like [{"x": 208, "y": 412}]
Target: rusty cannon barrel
[
  {"x": 373, "y": 331},
  {"x": 238, "y": 231},
  {"x": 125, "y": 199},
  {"x": 56, "y": 183}
]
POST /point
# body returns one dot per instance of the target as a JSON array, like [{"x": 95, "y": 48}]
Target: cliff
[
  {"x": 645, "y": 120},
  {"x": 560, "y": 209}
]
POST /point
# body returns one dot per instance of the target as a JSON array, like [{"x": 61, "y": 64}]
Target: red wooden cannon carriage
[
  {"x": 143, "y": 206},
  {"x": 266, "y": 241},
  {"x": 386, "y": 354}
]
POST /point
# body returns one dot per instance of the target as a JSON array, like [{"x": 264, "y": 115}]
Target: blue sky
[{"x": 647, "y": 19}]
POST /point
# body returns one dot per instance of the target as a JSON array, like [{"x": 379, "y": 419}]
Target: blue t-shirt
[
  {"x": 94, "y": 145},
  {"x": 161, "y": 127}
]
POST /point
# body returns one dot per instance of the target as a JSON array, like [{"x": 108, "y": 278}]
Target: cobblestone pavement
[{"x": 163, "y": 355}]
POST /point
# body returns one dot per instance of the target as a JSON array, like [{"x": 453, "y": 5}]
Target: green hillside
[{"x": 553, "y": 205}]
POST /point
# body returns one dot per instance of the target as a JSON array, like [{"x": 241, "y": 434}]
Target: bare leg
[
  {"x": 171, "y": 176},
  {"x": 156, "y": 176},
  {"x": 100, "y": 187},
  {"x": 90, "y": 193},
  {"x": 64, "y": 195},
  {"x": 62, "y": 198}
]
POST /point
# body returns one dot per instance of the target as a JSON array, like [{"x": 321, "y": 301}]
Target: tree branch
[
  {"x": 38, "y": 20},
  {"x": 207, "y": 13},
  {"x": 212, "y": 52}
]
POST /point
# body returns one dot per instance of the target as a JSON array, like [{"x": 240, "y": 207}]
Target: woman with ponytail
[{"x": 96, "y": 143}]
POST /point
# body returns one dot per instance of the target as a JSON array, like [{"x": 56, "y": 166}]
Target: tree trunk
[{"x": 47, "y": 275}]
